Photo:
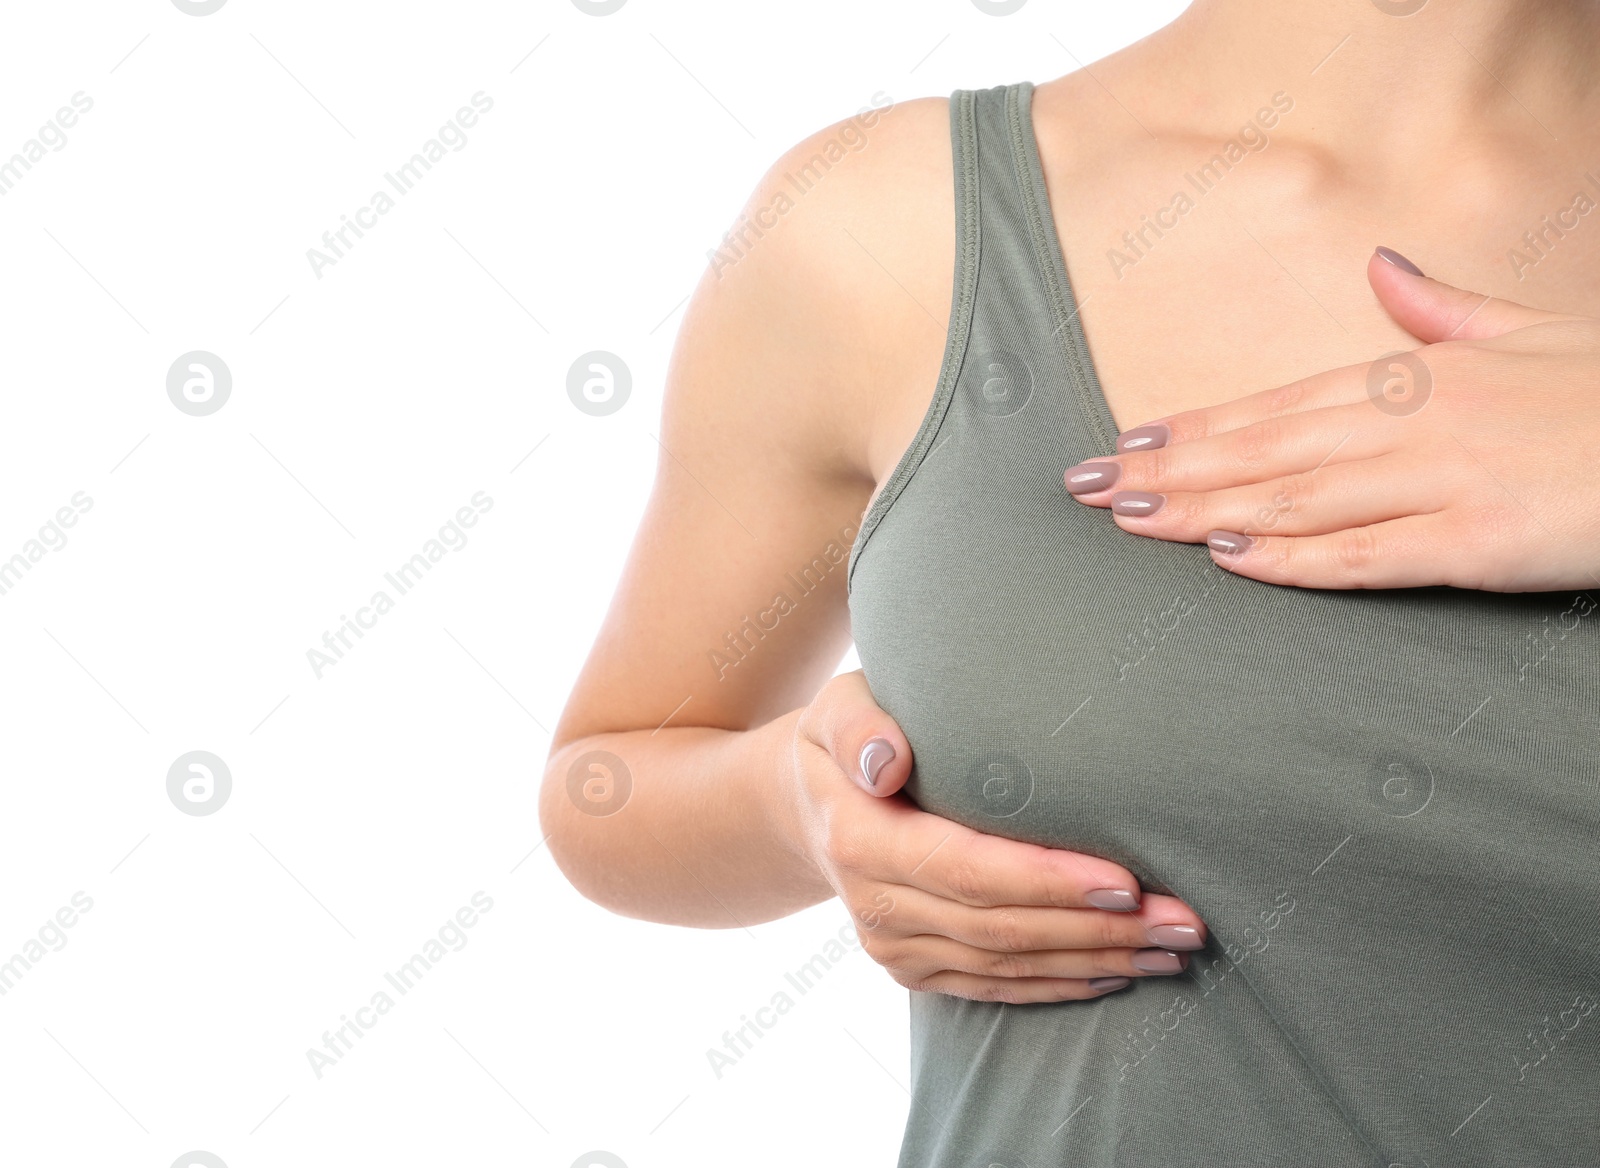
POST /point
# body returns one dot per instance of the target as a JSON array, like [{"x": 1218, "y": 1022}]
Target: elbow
[{"x": 568, "y": 832}]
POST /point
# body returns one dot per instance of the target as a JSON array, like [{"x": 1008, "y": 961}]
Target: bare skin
[{"x": 803, "y": 370}]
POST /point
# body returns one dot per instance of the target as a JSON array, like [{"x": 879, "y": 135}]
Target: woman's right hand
[{"x": 949, "y": 910}]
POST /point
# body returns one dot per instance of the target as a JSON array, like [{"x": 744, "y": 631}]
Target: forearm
[{"x": 703, "y": 831}]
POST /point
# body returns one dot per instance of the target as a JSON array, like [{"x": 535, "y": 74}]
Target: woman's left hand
[{"x": 1473, "y": 461}]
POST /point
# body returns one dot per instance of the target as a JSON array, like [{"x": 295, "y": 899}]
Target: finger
[
  {"x": 1332, "y": 387},
  {"x": 1257, "y": 453},
  {"x": 863, "y": 741},
  {"x": 1434, "y": 311},
  {"x": 1017, "y": 991},
  {"x": 934, "y": 954},
  {"x": 952, "y": 862},
  {"x": 1400, "y": 553},
  {"x": 1329, "y": 499},
  {"x": 1028, "y": 928}
]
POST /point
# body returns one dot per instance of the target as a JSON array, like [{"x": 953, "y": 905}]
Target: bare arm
[
  {"x": 780, "y": 398},
  {"x": 703, "y": 773}
]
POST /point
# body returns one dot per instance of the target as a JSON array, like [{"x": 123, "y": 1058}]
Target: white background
[{"x": 368, "y": 405}]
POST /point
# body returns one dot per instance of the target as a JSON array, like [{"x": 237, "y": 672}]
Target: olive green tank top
[{"x": 1384, "y": 804}]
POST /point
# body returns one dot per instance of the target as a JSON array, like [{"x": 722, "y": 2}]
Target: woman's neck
[{"x": 1478, "y": 75}]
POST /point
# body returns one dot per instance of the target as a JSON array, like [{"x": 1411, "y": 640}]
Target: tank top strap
[
  {"x": 1016, "y": 382},
  {"x": 1018, "y": 235}
]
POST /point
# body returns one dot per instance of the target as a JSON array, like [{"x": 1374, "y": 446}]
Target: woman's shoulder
[
  {"x": 825, "y": 304},
  {"x": 881, "y": 179}
]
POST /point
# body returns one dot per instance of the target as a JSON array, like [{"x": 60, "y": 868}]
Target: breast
[{"x": 1413, "y": 773}]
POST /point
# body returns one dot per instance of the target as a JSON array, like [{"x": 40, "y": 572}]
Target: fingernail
[
  {"x": 1140, "y": 503},
  {"x": 1109, "y": 983},
  {"x": 1092, "y": 476},
  {"x": 1151, "y": 437},
  {"x": 875, "y": 755},
  {"x": 1176, "y": 937},
  {"x": 1399, "y": 261},
  {"x": 1157, "y": 961},
  {"x": 1112, "y": 899},
  {"x": 1229, "y": 543}
]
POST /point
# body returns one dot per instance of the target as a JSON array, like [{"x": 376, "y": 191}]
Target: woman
[{"x": 1196, "y": 869}]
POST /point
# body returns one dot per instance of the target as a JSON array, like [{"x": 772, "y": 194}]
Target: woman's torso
[{"x": 1383, "y": 804}]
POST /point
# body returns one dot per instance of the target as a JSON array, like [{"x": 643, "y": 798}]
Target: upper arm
[{"x": 806, "y": 357}]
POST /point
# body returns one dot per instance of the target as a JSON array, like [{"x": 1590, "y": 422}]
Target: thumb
[
  {"x": 1433, "y": 311},
  {"x": 864, "y": 741}
]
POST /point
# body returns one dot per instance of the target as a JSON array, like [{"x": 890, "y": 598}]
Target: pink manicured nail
[
  {"x": 875, "y": 755},
  {"x": 1176, "y": 937},
  {"x": 1398, "y": 260},
  {"x": 1138, "y": 503},
  {"x": 1088, "y": 477},
  {"x": 1157, "y": 961},
  {"x": 1112, "y": 900},
  {"x": 1151, "y": 437},
  {"x": 1229, "y": 543},
  {"x": 1107, "y": 984}
]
